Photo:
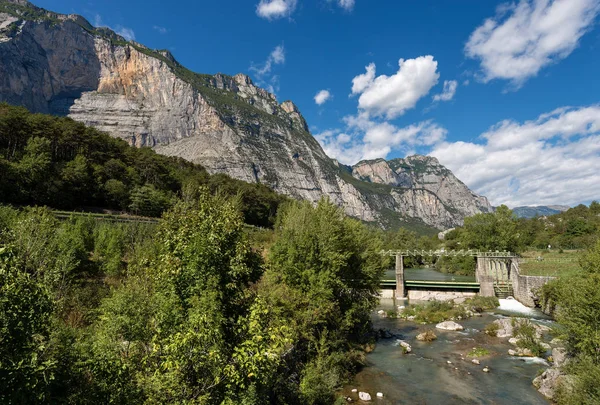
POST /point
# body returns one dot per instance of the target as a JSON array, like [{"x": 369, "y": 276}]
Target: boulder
[
  {"x": 364, "y": 396},
  {"x": 449, "y": 325},
  {"x": 549, "y": 381},
  {"x": 505, "y": 328},
  {"x": 559, "y": 356},
  {"x": 426, "y": 336},
  {"x": 405, "y": 345},
  {"x": 520, "y": 352}
]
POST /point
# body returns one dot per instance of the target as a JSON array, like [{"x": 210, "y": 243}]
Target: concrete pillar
[
  {"x": 484, "y": 277},
  {"x": 400, "y": 289}
]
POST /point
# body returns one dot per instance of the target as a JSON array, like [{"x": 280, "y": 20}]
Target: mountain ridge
[{"x": 223, "y": 122}]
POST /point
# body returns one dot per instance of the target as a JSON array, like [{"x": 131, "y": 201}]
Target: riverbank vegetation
[
  {"x": 185, "y": 311},
  {"x": 574, "y": 301}
]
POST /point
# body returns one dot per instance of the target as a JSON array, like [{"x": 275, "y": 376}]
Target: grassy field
[{"x": 550, "y": 263}]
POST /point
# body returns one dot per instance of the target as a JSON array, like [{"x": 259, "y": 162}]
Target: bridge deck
[
  {"x": 441, "y": 252},
  {"x": 433, "y": 285}
]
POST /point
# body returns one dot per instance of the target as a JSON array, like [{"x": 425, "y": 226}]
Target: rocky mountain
[
  {"x": 61, "y": 64},
  {"x": 539, "y": 210}
]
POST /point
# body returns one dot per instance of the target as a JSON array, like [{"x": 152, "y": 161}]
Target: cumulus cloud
[
  {"x": 391, "y": 96},
  {"x": 525, "y": 37},
  {"x": 368, "y": 139},
  {"x": 551, "y": 160},
  {"x": 322, "y": 97},
  {"x": 449, "y": 91},
  {"x": 274, "y": 9}
]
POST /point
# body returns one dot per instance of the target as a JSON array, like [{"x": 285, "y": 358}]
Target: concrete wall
[
  {"x": 526, "y": 287},
  {"x": 424, "y": 295}
]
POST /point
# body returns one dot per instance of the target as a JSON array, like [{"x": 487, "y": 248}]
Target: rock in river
[{"x": 449, "y": 325}]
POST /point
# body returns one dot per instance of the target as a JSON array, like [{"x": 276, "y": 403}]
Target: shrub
[
  {"x": 492, "y": 329},
  {"x": 525, "y": 331},
  {"x": 480, "y": 304},
  {"x": 436, "y": 311}
]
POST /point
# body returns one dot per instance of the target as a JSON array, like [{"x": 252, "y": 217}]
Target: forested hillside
[{"x": 46, "y": 160}]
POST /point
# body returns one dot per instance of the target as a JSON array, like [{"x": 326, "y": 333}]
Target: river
[{"x": 424, "y": 376}]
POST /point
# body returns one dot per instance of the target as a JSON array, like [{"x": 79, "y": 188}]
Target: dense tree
[{"x": 491, "y": 231}]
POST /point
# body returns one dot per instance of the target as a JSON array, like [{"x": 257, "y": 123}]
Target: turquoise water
[
  {"x": 427, "y": 274},
  {"x": 425, "y": 377}
]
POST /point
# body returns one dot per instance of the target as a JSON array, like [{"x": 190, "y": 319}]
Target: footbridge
[{"x": 492, "y": 275}]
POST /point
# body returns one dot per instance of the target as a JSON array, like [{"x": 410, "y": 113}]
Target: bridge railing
[{"x": 442, "y": 252}]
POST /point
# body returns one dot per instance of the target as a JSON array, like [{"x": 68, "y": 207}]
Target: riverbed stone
[
  {"x": 426, "y": 336},
  {"x": 520, "y": 352},
  {"x": 475, "y": 361},
  {"x": 364, "y": 396},
  {"x": 559, "y": 356},
  {"x": 405, "y": 345},
  {"x": 449, "y": 325},
  {"x": 550, "y": 380},
  {"x": 380, "y": 395},
  {"x": 486, "y": 370}
]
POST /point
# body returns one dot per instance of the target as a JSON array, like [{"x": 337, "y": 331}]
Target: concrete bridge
[{"x": 492, "y": 274}]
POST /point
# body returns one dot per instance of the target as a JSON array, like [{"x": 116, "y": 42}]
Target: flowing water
[{"x": 424, "y": 376}]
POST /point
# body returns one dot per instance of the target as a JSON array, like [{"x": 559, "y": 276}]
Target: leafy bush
[
  {"x": 524, "y": 330},
  {"x": 480, "y": 304},
  {"x": 492, "y": 329},
  {"x": 435, "y": 311}
]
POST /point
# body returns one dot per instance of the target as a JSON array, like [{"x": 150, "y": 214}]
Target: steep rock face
[
  {"x": 454, "y": 199},
  {"x": 60, "y": 64}
]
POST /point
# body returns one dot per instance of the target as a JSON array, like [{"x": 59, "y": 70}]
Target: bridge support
[
  {"x": 484, "y": 278},
  {"x": 400, "y": 288}
]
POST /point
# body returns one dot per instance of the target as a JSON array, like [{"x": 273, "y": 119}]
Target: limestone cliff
[{"x": 60, "y": 64}]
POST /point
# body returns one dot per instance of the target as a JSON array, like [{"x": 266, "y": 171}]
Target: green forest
[{"x": 63, "y": 164}]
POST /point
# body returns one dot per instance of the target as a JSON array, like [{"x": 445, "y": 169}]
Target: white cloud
[
  {"x": 264, "y": 71},
  {"x": 346, "y": 4},
  {"x": 322, "y": 97},
  {"x": 274, "y": 9},
  {"x": 366, "y": 139},
  {"x": 449, "y": 91},
  {"x": 551, "y": 160},
  {"x": 391, "y": 96},
  {"x": 276, "y": 57},
  {"x": 161, "y": 30},
  {"x": 525, "y": 37},
  {"x": 125, "y": 32}
]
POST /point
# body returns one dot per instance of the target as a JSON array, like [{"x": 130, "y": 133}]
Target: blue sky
[{"x": 505, "y": 94}]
